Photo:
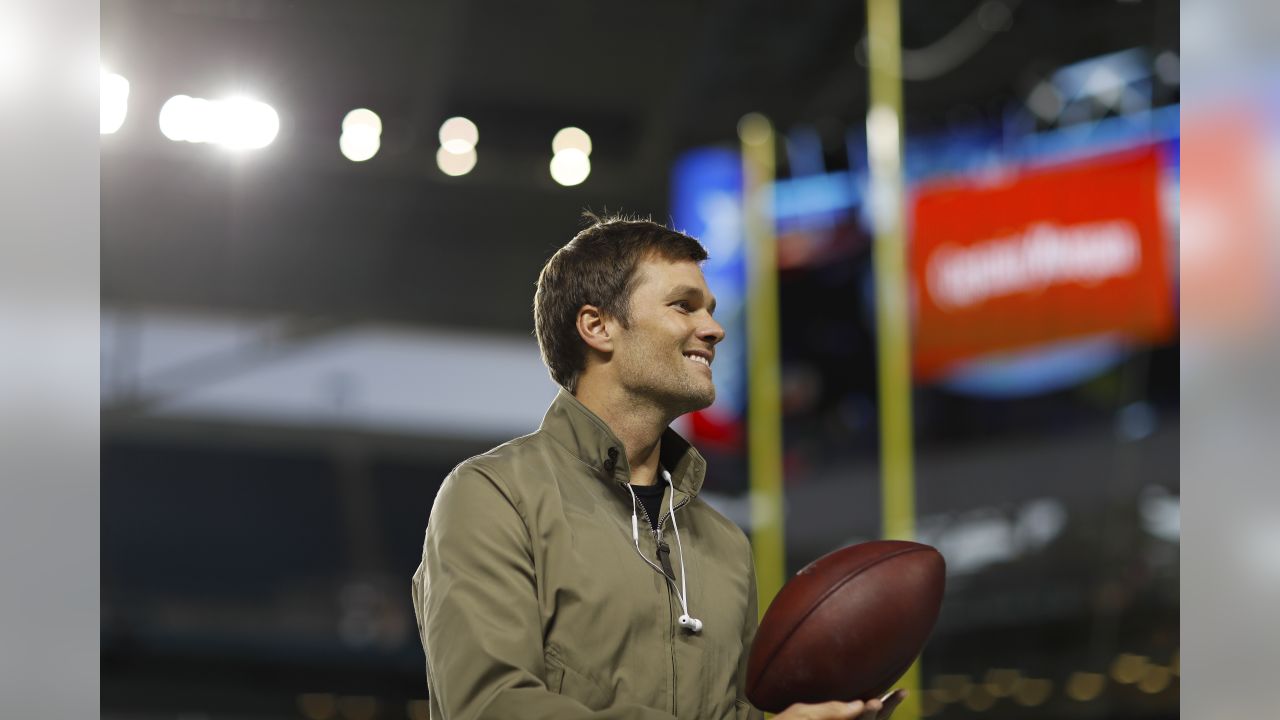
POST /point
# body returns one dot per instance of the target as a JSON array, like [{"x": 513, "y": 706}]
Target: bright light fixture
[
  {"x": 362, "y": 119},
  {"x": 247, "y": 124},
  {"x": 457, "y": 153},
  {"x": 359, "y": 145},
  {"x": 177, "y": 118},
  {"x": 113, "y": 101},
  {"x": 459, "y": 134},
  {"x": 455, "y": 164},
  {"x": 571, "y": 138},
  {"x": 570, "y": 167},
  {"x": 236, "y": 123},
  {"x": 361, "y": 135}
]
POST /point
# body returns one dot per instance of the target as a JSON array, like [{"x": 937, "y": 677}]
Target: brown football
[{"x": 847, "y": 626}]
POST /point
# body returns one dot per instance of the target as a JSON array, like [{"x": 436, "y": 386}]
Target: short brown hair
[{"x": 597, "y": 267}]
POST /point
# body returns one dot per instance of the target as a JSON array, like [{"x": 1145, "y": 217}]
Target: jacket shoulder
[
  {"x": 494, "y": 463},
  {"x": 495, "y": 458},
  {"x": 475, "y": 484},
  {"x": 507, "y": 465}
]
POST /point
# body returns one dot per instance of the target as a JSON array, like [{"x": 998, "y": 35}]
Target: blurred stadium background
[{"x": 309, "y": 316}]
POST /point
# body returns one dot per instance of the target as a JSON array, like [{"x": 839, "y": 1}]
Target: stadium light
[
  {"x": 362, "y": 119},
  {"x": 236, "y": 123},
  {"x": 359, "y": 146},
  {"x": 455, "y": 164},
  {"x": 361, "y": 135},
  {"x": 571, "y": 138},
  {"x": 458, "y": 135},
  {"x": 570, "y": 167},
  {"x": 113, "y": 102},
  {"x": 247, "y": 124},
  {"x": 176, "y": 118},
  {"x": 457, "y": 153}
]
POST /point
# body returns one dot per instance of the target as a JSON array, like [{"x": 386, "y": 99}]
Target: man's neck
[{"x": 639, "y": 425}]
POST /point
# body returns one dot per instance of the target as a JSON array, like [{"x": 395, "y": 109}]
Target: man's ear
[{"x": 595, "y": 329}]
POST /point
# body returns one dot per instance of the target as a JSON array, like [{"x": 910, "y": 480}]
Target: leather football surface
[{"x": 847, "y": 626}]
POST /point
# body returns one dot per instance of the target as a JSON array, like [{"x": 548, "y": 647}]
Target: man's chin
[
  {"x": 709, "y": 399},
  {"x": 700, "y": 401},
  {"x": 685, "y": 399}
]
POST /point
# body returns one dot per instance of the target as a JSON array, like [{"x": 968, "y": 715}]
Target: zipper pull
[{"x": 664, "y": 556}]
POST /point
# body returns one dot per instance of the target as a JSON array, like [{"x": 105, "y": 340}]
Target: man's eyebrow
[{"x": 682, "y": 290}]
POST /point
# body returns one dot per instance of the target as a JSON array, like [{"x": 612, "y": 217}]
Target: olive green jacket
[{"x": 533, "y": 603}]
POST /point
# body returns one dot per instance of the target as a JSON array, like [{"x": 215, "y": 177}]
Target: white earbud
[{"x": 692, "y": 624}]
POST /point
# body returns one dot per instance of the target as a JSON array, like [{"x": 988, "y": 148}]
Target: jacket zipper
[
  {"x": 657, "y": 535},
  {"x": 670, "y": 576},
  {"x": 662, "y": 521}
]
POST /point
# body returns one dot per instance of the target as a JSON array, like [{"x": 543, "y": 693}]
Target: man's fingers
[
  {"x": 892, "y": 703},
  {"x": 848, "y": 711},
  {"x": 827, "y": 711},
  {"x": 874, "y": 709}
]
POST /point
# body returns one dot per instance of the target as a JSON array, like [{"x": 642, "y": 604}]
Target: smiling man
[{"x": 575, "y": 572}]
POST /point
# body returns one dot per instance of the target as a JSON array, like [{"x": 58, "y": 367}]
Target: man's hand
[{"x": 870, "y": 710}]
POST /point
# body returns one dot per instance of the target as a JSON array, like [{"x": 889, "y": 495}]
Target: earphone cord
[
  {"x": 684, "y": 593},
  {"x": 635, "y": 537}
]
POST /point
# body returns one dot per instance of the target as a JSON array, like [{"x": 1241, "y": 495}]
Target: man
[{"x": 574, "y": 572}]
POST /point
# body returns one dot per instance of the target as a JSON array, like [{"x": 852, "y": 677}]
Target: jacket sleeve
[
  {"x": 747, "y": 711},
  {"x": 475, "y": 597}
]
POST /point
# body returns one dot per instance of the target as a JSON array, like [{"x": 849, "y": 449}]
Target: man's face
[{"x": 666, "y": 353}]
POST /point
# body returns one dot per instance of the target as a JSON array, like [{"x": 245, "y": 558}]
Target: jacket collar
[{"x": 584, "y": 434}]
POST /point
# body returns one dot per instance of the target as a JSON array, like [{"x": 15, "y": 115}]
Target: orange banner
[{"x": 1043, "y": 255}]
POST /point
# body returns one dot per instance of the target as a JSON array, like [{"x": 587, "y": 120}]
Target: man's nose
[{"x": 712, "y": 333}]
